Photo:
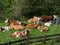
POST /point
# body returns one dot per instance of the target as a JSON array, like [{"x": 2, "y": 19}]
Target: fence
[
  {"x": 58, "y": 21},
  {"x": 27, "y": 40}
]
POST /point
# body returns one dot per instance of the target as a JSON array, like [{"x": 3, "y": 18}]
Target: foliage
[
  {"x": 28, "y": 8},
  {"x": 40, "y": 7}
]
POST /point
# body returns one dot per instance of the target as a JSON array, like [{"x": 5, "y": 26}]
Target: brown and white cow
[
  {"x": 20, "y": 34},
  {"x": 41, "y": 28},
  {"x": 16, "y": 27},
  {"x": 16, "y": 22},
  {"x": 34, "y": 20}
]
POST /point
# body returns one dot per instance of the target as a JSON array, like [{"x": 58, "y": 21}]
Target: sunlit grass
[{"x": 6, "y": 36}]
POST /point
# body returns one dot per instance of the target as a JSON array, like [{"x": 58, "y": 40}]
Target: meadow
[{"x": 6, "y": 36}]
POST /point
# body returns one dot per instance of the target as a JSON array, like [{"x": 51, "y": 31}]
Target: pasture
[{"x": 6, "y": 36}]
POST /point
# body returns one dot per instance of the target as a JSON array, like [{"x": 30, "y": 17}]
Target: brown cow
[
  {"x": 46, "y": 18},
  {"x": 30, "y": 26},
  {"x": 15, "y": 22},
  {"x": 16, "y": 27}
]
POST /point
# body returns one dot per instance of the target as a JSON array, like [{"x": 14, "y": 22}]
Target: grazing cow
[
  {"x": 30, "y": 26},
  {"x": 20, "y": 34},
  {"x": 34, "y": 20},
  {"x": 16, "y": 27},
  {"x": 5, "y": 28},
  {"x": 41, "y": 28}
]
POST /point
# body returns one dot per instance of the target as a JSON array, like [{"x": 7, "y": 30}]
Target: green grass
[{"x": 6, "y": 36}]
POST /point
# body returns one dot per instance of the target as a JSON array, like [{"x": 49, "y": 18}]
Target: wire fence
[{"x": 29, "y": 40}]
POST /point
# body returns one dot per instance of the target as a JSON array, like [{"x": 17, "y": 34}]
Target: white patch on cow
[
  {"x": 25, "y": 32},
  {"x": 55, "y": 17},
  {"x": 41, "y": 30},
  {"x": 17, "y": 36},
  {"x": 19, "y": 22},
  {"x": 15, "y": 33},
  {"x": 38, "y": 27}
]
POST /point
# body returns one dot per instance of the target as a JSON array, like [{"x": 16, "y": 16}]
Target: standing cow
[{"x": 34, "y": 20}]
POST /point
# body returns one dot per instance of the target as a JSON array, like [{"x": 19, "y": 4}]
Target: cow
[
  {"x": 5, "y": 28},
  {"x": 34, "y": 20},
  {"x": 16, "y": 22},
  {"x": 48, "y": 23},
  {"x": 30, "y": 26},
  {"x": 14, "y": 34},
  {"x": 48, "y": 18},
  {"x": 16, "y": 27},
  {"x": 21, "y": 33},
  {"x": 41, "y": 28}
]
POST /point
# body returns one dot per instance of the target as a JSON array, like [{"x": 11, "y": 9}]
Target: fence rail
[{"x": 28, "y": 39}]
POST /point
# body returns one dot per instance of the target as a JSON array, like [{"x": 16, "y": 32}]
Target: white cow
[
  {"x": 48, "y": 24},
  {"x": 5, "y": 28}
]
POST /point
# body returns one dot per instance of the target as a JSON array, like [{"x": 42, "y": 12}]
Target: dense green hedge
[{"x": 24, "y": 9}]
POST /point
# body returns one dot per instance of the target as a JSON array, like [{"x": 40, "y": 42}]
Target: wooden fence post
[
  {"x": 45, "y": 39},
  {"x": 27, "y": 37}
]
